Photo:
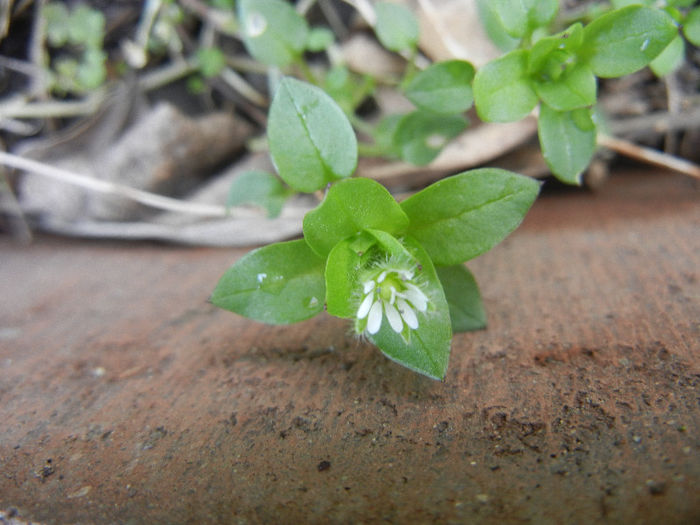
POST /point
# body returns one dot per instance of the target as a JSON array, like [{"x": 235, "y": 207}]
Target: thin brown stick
[
  {"x": 650, "y": 156},
  {"x": 102, "y": 186}
]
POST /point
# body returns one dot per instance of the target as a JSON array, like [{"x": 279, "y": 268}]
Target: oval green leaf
[
  {"x": 503, "y": 91},
  {"x": 396, "y": 27},
  {"x": 463, "y": 297},
  {"x": 420, "y": 136},
  {"x": 280, "y": 283},
  {"x": 273, "y": 32},
  {"x": 626, "y": 40},
  {"x": 350, "y": 207},
  {"x": 311, "y": 141},
  {"x": 576, "y": 88},
  {"x": 567, "y": 140},
  {"x": 463, "y": 216},
  {"x": 444, "y": 87},
  {"x": 670, "y": 58},
  {"x": 691, "y": 26}
]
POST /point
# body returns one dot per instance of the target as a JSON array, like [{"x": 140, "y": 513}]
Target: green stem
[{"x": 306, "y": 71}]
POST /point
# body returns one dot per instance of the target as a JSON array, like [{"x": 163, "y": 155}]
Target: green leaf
[
  {"x": 466, "y": 308},
  {"x": 311, "y": 141},
  {"x": 427, "y": 349},
  {"x": 259, "y": 188},
  {"x": 211, "y": 61},
  {"x": 350, "y": 207},
  {"x": 494, "y": 27},
  {"x": 273, "y": 32},
  {"x": 626, "y": 40},
  {"x": 420, "y": 136},
  {"x": 518, "y": 17},
  {"x": 319, "y": 39},
  {"x": 576, "y": 88},
  {"x": 344, "y": 263},
  {"x": 567, "y": 140},
  {"x": 86, "y": 27},
  {"x": 57, "y": 20},
  {"x": 396, "y": 27},
  {"x": 280, "y": 283},
  {"x": 92, "y": 71},
  {"x": 561, "y": 45},
  {"x": 691, "y": 26},
  {"x": 503, "y": 91},
  {"x": 384, "y": 134},
  {"x": 670, "y": 58},
  {"x": 463, "y": 216},
  {"x": 444, "y": 87}
]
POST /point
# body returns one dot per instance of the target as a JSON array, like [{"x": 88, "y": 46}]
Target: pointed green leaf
[
  {"x": 444, "y": 87},
  {"x": 567, "y": 140},
  {"x": 466, "y": 308},
  {"x": 350, "y": 207},
  {"x": 280, "y": 283},
  {"x": 460, "y": 217},
  {"x": 273, "y": 32},
  {"x": 311, "y": 141},
  {"x": 427, "y": 349},
  {"x": 396, "y": 27},
  {"x": 625, "y": 40},
  {"x": 503, "y": 90}
]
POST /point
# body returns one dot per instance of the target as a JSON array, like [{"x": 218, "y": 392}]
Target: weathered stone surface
[{"x": 125, "y": 397}]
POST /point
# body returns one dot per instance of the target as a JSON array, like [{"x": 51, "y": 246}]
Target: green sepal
[{"x": 345, "y": 261}]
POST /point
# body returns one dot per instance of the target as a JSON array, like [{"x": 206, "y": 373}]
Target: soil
[{"x": 127, "y": 398}]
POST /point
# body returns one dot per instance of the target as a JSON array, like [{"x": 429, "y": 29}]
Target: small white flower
[{"x": 393, "y": 293}]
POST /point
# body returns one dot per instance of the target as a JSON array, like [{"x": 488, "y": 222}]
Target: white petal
[
  {"x": 416, "y": 297},
  {"x": 374, "y": 321},
  {"x": 392, "y": 299},
  {"x": 381, "y": 277},
  {"x": 409, "y": 316},
  {"x": 392, "y": 314},
  {"x": 368, "y": 286},
  {"x": 363, "y": 310}
]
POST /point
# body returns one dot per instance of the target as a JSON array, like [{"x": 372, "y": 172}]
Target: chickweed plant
[{"x": 396, "y": 270}]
